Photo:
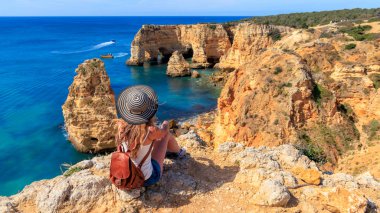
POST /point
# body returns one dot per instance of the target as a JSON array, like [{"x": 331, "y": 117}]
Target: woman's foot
[
  {"x": 177, "y": 155},
  {"x": 182, "y": 153}
]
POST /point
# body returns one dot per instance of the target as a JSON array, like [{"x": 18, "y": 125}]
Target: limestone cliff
[
  {"x": 89, "y": 108},
  {"x": 271, "y": 102},
  {"x": 205, "y": 43},
  {"x": 244, "y": 179},
  {"x": 303, "y": 89},
  {"x": 248, "y": 40}
]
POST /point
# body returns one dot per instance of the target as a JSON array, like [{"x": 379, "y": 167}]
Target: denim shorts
[{"x": 156, "y": 174}]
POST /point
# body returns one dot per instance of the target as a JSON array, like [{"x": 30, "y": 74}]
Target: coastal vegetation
[
  {"x": 277, "y": 70},
  {"x": 350, "y": 46},
  {"x": 376, "y": 80},
  {"x": 359, "y": 32},
  {"x": 71, "y": 171},
  {"x": 275, "y": 35},
  {"x": 321, "y": 94},
  {"x": 311, "y": 19},
  {"x": 311, "y": 150},
  {"x": 372, "y": 129}
]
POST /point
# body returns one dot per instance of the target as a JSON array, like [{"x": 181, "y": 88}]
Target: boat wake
[
  {"x": 95, "y": 47},
  {"x": 120, "y": 55}
]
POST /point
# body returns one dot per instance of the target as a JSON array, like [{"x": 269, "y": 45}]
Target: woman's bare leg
[
  {"x": 172, "y": 144},
  {"x": 159, "y": 150},
  {"x": 168, "y": 143}
]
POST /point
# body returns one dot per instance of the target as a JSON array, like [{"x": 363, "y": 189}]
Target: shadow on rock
[{"x": 182, "y": 179}]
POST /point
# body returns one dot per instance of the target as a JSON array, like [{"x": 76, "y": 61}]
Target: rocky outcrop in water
[
  {"x": 195, "y": 74},
  {"x": 178, "y": 66},
  {"x": 242, "y": 178},
  {"x": 90, "y": 108}
]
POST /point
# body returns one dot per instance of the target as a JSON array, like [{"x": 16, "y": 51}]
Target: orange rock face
[
  {"x": 249, "y": 40},
  {"x": 302, "y": 89},
  {"x": 205, "y": 43},
  {"x": 310, "y": 176},
  {"x": 336, "y": 199},
  {"x": 90, "y": 108}
]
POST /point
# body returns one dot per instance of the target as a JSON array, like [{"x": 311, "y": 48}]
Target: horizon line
[
  {"x": 271, "y": 14},
  {"x": 139, "y": 16}
]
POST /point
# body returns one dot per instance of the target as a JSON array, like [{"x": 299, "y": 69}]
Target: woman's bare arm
[{"x": 156, "y": 133}]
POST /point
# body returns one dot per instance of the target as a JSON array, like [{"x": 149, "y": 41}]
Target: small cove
[{"x": 38, "y": 57}]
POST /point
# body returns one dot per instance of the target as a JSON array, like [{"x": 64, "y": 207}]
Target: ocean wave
[
  {"x": 64, "y": 132},
  {"x": 95, "y": 47},
  {"x": 119, "y": 55}
]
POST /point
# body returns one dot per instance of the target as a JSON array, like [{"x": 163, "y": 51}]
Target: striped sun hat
[{"x": 137, "y": 104}]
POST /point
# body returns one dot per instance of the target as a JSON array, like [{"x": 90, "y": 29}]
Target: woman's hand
[{"x": 156, "y": 133}]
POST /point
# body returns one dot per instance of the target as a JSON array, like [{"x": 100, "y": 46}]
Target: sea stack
[
  {"x": 90, "y": 108},
  {"x": 178, "y": 66}
]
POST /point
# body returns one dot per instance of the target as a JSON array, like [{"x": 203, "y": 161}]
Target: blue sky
[{"x": 172, "y": 7}]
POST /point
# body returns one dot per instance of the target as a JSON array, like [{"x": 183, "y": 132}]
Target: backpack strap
[
  {"x": 119, "y": 147},
  {"x": 146, "y": 155}
]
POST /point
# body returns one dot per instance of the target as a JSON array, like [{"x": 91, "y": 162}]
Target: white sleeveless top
[{"x": 147, "y": 167}]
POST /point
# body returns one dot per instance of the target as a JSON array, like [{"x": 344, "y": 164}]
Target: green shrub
[
  {"x": 372, "y": 129},
  {"x": 82, "y": 70},
  {"x": 359, "y": 22},
  {"x": 212, "y": 26},
  {"x": 275, "y": 34},
  {"x": 276, "y": 122},
  {"x": 311, "y": 150},
  {"x": 321, "y": 94},
  {"x": 358, "y": 33},
  {"x": 277, "y": 70},
  {"x": 374, "y": 19},
  {"x": 375, "y": 78},
  {"x": 350, "y": 46},
  {"x": 94, "y": 64},
  {"x": 347, "y": 110},
  {"x": 286, "y": 85},
  {"x": 71, "y": 171}
]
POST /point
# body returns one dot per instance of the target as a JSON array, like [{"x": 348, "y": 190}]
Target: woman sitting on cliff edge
[{"x": 137, "y": 106}]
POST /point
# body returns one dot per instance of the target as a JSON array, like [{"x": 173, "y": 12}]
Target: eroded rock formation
[
  {"x": 178, "y": 66},
  {"x": 302, "y": 89},
  {"x": 248, "y": 41},
  {"x": 89, "y": 108},
  {"x": 205, "y": 43}
]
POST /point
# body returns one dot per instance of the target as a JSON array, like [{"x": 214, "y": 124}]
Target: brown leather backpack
[{"x": 124, "y": 174}]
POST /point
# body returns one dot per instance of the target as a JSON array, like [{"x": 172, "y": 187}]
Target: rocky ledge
[{"x": 247, "y": 179}]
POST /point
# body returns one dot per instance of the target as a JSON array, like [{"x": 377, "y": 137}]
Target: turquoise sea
[{"x": 38, "y": 56}]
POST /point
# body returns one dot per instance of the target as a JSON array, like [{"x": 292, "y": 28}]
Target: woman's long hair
[{"x": 133, "y": 135}]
